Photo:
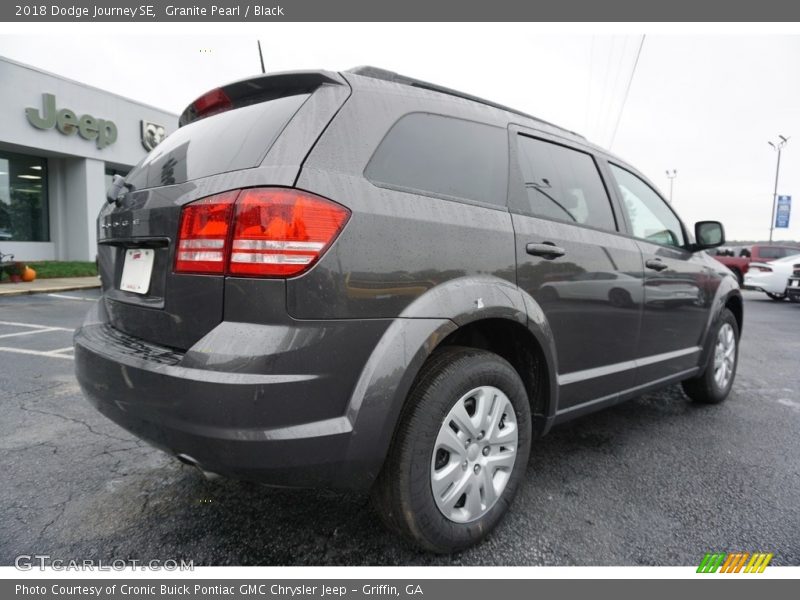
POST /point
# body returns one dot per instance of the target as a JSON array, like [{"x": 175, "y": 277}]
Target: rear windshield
[{"x": 233, "y": 140}]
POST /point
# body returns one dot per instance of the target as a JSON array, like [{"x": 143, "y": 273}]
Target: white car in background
[{"x": 771, "y": 277}]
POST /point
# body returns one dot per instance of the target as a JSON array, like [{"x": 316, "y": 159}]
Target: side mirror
[{"x": 708, "y": 234}]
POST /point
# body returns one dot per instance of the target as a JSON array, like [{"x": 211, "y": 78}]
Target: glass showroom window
[{"x": 24, "y": 213}]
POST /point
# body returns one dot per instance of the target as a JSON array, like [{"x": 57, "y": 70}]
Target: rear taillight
[
  {"x": 258, "y": 232},
  {"x": 203, "y": 234},
  {"x": 281, "y": 232}
]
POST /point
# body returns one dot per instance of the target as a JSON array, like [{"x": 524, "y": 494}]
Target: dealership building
[{"x": 61, "y": 142}]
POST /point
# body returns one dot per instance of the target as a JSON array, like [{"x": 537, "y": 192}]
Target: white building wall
[
  {"x": 76, "y": 166},
  {"x": 29, "y": 251},
  {"x": 84, "y": 181}
]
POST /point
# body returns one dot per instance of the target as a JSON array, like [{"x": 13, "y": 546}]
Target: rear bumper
[
  {"x": 760, "y": 283},
  {"x": 793, "y": 291},
  {"x": 247, "y": 401}
]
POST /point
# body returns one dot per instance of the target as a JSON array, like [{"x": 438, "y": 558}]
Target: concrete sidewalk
[{"x": 57, "y": 284}]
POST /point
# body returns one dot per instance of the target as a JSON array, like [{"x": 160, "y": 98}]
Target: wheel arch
[
  {"x": 735, "y": 304},
  {"x": 728, "y": 296},
  {"x": 518, "y": 345},
  {"x": 473, "y": 311}
]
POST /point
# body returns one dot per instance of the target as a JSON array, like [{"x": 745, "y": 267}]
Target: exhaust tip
[{"x": 188, "y": 460}]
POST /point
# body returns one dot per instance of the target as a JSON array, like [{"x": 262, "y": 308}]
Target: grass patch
[{"x": 48, "y": 269}]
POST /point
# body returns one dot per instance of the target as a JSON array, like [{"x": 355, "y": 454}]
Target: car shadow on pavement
[{"x": 159, "y": 508}]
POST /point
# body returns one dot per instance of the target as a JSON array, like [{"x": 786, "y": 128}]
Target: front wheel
[
  {"x": 460, "y": 451},
  {"x": 713, "y": 386}
]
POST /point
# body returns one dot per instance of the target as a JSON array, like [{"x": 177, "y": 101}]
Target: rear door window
[
  {"x": 564, "y": 184},
  {"x": 443, "y": 156},
  {"x": 229, "y": 141}
]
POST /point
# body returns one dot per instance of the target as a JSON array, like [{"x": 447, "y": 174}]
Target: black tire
[
  {"x": 402, "y": 494},
  {"x": 776, "y": 297},
  {"x": 620, "y": 298},
  {"x": 704, "y": 388},
  {"x": 795, "y": 299}
]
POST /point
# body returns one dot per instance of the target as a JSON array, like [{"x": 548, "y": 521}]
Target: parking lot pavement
[{"x": 656, "y": 481}]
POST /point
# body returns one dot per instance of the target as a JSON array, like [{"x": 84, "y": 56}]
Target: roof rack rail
[{"x": 383, "y": 74}]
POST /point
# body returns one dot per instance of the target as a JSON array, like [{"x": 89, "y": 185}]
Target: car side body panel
[{"x": 302, "y": 381}]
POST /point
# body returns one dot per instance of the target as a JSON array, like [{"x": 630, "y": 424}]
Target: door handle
[
  {"x": 546, "y": 250},
  {"x": 655, "y": 264}
]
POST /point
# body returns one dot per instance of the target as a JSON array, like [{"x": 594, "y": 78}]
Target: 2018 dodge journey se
[{"x": 362, "y": 280}]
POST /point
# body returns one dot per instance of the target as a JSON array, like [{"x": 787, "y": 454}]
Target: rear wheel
[
  {"x": 713, "y": 386},
  {"x": 460, "y": 451},
  {"x": 776, "y": 297}
]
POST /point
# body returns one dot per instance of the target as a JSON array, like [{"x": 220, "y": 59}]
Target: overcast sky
[{"x": 704, "y": 105}]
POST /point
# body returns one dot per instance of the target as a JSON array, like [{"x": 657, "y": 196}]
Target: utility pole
[
  {"x": 777, "y": 146},
  {"x": 671, "y": 176}
]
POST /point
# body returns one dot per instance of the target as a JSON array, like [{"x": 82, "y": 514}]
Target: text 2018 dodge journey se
[{"x": 360, "y": 280}]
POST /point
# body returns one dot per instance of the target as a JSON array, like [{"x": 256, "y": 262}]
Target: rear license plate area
[{"x": 137, "y": 270}]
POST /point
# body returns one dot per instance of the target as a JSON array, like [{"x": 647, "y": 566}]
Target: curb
[{"x": 62, "y": 288}]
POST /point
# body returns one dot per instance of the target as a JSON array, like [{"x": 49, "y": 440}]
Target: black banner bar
[
  {"x": 152, "y": 11},
  {"x": 404, "y": 589}
]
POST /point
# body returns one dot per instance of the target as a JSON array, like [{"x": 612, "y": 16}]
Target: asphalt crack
[{"x": 74, "y": 420}]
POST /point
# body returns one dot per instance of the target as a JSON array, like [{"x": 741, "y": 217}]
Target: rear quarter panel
[{"x": 397, "y": 245}]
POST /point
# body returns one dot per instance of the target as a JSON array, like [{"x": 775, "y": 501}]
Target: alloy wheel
[
  {"x": 474, "y": 454},
  {"x": 724, "y": 356}
]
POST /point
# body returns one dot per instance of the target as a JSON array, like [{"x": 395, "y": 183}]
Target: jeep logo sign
[{"x": 67, "y": 122}]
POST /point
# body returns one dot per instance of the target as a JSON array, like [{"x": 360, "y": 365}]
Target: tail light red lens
[
  {"x": 258, "y": 232},
  {"x": 204, "y": 234},
  {"x": 282, "y": 232}
]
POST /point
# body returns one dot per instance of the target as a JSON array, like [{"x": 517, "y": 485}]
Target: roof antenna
[{"x": 261, "y": 57}]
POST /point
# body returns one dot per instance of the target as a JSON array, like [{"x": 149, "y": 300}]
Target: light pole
[
  {"x": 777, "y": 146},
  {"x": 671, "y": 175}
]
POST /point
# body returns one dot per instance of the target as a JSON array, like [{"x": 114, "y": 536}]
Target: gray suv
[{"x": 360, "y": 280}]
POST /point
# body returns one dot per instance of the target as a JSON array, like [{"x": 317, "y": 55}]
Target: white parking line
[
  {"x": 60, "y": 350},
  {"x": 67, "y": 297},
  {"x": 51, "y": 353},
  {"x": 33, "y": 326},
  {"x": 30, "y": 332}
]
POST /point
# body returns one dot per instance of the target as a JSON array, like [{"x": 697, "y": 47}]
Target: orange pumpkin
[{"x": 28, "y": 274}]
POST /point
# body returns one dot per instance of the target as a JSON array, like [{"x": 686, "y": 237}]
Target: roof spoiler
[{"x": 254, "y": 90}]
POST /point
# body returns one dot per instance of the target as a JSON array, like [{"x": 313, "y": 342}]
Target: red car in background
[{"x": 740, "y": 263}]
